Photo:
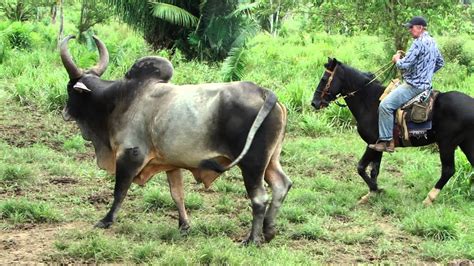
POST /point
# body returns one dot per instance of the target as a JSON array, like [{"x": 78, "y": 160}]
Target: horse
[{"x": 452, "y": 121}]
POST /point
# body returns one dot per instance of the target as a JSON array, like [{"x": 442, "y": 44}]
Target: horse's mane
[{"x": 359, "y": 77}]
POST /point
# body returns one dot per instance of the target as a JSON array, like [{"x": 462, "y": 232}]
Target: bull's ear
[{"x": 81, "y": 87}]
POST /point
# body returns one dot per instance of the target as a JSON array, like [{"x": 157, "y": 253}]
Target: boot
[{"x": 387, "y": 146}]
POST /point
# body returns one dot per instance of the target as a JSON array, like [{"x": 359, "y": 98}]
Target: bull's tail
[{"x": 270, "y": 101}]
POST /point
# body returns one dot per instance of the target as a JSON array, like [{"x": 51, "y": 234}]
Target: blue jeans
[{"x": 390, "y": 104}]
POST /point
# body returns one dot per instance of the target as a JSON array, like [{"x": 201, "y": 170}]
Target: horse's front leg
[{"x": 370, "y": 157}]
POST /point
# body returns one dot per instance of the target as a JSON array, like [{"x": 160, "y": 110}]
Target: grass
[{"x": 319, "y": 221}]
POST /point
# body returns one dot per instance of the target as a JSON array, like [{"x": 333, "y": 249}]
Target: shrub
[{"x": 19, "y": 37}]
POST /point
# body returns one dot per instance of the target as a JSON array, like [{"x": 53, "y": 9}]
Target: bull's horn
[
  {"x": 100, "y": 68},
  {"x": 73, "y": 71}
]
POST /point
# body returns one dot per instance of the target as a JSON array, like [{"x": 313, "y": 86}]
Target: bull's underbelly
[{"x": 155, "y": 166}]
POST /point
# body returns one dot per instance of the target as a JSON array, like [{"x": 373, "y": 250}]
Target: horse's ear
[{"x": 335, "y": 61}]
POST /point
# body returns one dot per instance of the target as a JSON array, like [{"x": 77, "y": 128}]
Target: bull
[{"x": 141, "y": 125}]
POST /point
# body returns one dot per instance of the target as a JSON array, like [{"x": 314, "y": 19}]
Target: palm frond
[
  {"x": 174, "y": 15},
  {"x": 248, "y": 30},
  {"x": 245, "y": 8},
  {"x": 234, "y": 65}
]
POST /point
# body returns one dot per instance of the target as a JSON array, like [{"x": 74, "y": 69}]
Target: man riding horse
[{"x": 422, "y": 60}]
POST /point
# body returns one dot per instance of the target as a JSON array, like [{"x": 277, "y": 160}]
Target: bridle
[
  {"x": 325, "y": 91},
  {"x": 341, "y": 95}
]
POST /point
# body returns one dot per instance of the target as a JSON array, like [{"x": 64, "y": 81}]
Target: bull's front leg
[
  {"x": 127, "y": 166},
  {"x": 175, "y": 180}
]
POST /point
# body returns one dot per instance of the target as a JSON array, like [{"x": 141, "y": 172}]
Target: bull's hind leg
[
  {"x": 175, "y": 180},
  {"x": 253, "y": 180},
  {"x": 127, "y": 167},
  {"x": 374, "y": 158},
  {"x": 446, "y": 152},
  {"x": 280, "y": 185}
]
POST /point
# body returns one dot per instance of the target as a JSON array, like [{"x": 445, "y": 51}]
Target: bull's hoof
[
  {"x": 184, "y": 229},
  {"x": 269, "y": 234},
  {"x": 251, "y": 241},
  {"x": 103, "y": 224}
]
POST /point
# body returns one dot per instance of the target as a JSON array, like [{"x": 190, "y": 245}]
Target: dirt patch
[
  {"x": 101, "y": 198},
  {"x": 63, "y": 180},
  {"x": 34, "y": 126},
  {"x": 30, "y": 245}
]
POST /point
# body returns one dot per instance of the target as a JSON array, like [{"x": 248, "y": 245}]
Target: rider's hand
[{"x": 396, "y": 57}]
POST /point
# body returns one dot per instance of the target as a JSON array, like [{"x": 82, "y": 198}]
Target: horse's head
[{"x": 330, "y": 85}]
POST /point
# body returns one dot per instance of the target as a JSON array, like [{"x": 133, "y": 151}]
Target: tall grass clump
[
  {"x": 24, "y": 210},
  {"x": 462, "y": 182},
  {"x": 93, "y": 245},
  {"x": 155, "y": 199},
  {"x": 14, "y": 174},
  {"x": 433, "y": 223}
]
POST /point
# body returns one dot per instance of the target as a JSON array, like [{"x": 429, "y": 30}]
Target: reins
[{"x": 378, "y": 73}]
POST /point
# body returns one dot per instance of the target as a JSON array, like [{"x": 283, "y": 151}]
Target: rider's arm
[
  {"x": 410, "y": 58},
  {"x": 439, "y": 62}
]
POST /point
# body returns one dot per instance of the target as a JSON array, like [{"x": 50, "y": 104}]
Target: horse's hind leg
[
  {"x": 468, "y": 148},
  {"x": 370, "y": 157},
  {"x": 446, "y": 152}
]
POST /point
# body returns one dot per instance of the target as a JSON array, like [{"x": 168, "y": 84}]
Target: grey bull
[{"x": 141, "y": 125}]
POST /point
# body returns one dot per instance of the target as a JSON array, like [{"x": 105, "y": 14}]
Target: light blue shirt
[{"x": 422, "y": 60}]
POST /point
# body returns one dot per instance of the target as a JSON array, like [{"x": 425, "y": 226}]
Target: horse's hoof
[
  {"x": 103, "y": 224},
  {"x": 427, "y": 202},
  {"x": 365, "y": 199}
]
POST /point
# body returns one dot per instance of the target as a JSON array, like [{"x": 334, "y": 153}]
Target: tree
[
  {"x": 18, "y": 10},
  {"x": 269, "y": 14},
  {"x": 385, "y": 17},
  {"x": 204, "y": 29},
  {"x": 92, "y": 12}
]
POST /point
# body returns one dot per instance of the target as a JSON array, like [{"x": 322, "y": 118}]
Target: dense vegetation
[{"x": 48, "y": 174}]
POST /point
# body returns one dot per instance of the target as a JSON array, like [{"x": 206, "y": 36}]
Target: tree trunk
[
  {"x": 54, "y": 11},
  {"x": 61, "y": 21},
  {"x": 82, "y": 24},
  {"x": 397, "y": 31}
]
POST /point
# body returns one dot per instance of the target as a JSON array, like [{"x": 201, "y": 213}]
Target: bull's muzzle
[{"x": 66, "y": 116}]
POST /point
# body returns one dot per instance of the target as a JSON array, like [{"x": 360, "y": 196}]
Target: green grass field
[{"x": 52, "y": 193}]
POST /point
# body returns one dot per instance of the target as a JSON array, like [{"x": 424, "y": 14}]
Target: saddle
[{"x": 413, "y": 119}]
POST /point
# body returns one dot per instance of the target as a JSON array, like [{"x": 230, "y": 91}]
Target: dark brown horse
[{"x": 452, "y": 124}]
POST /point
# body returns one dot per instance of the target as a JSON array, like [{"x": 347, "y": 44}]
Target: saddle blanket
[{"x": 418, "y": 129}]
